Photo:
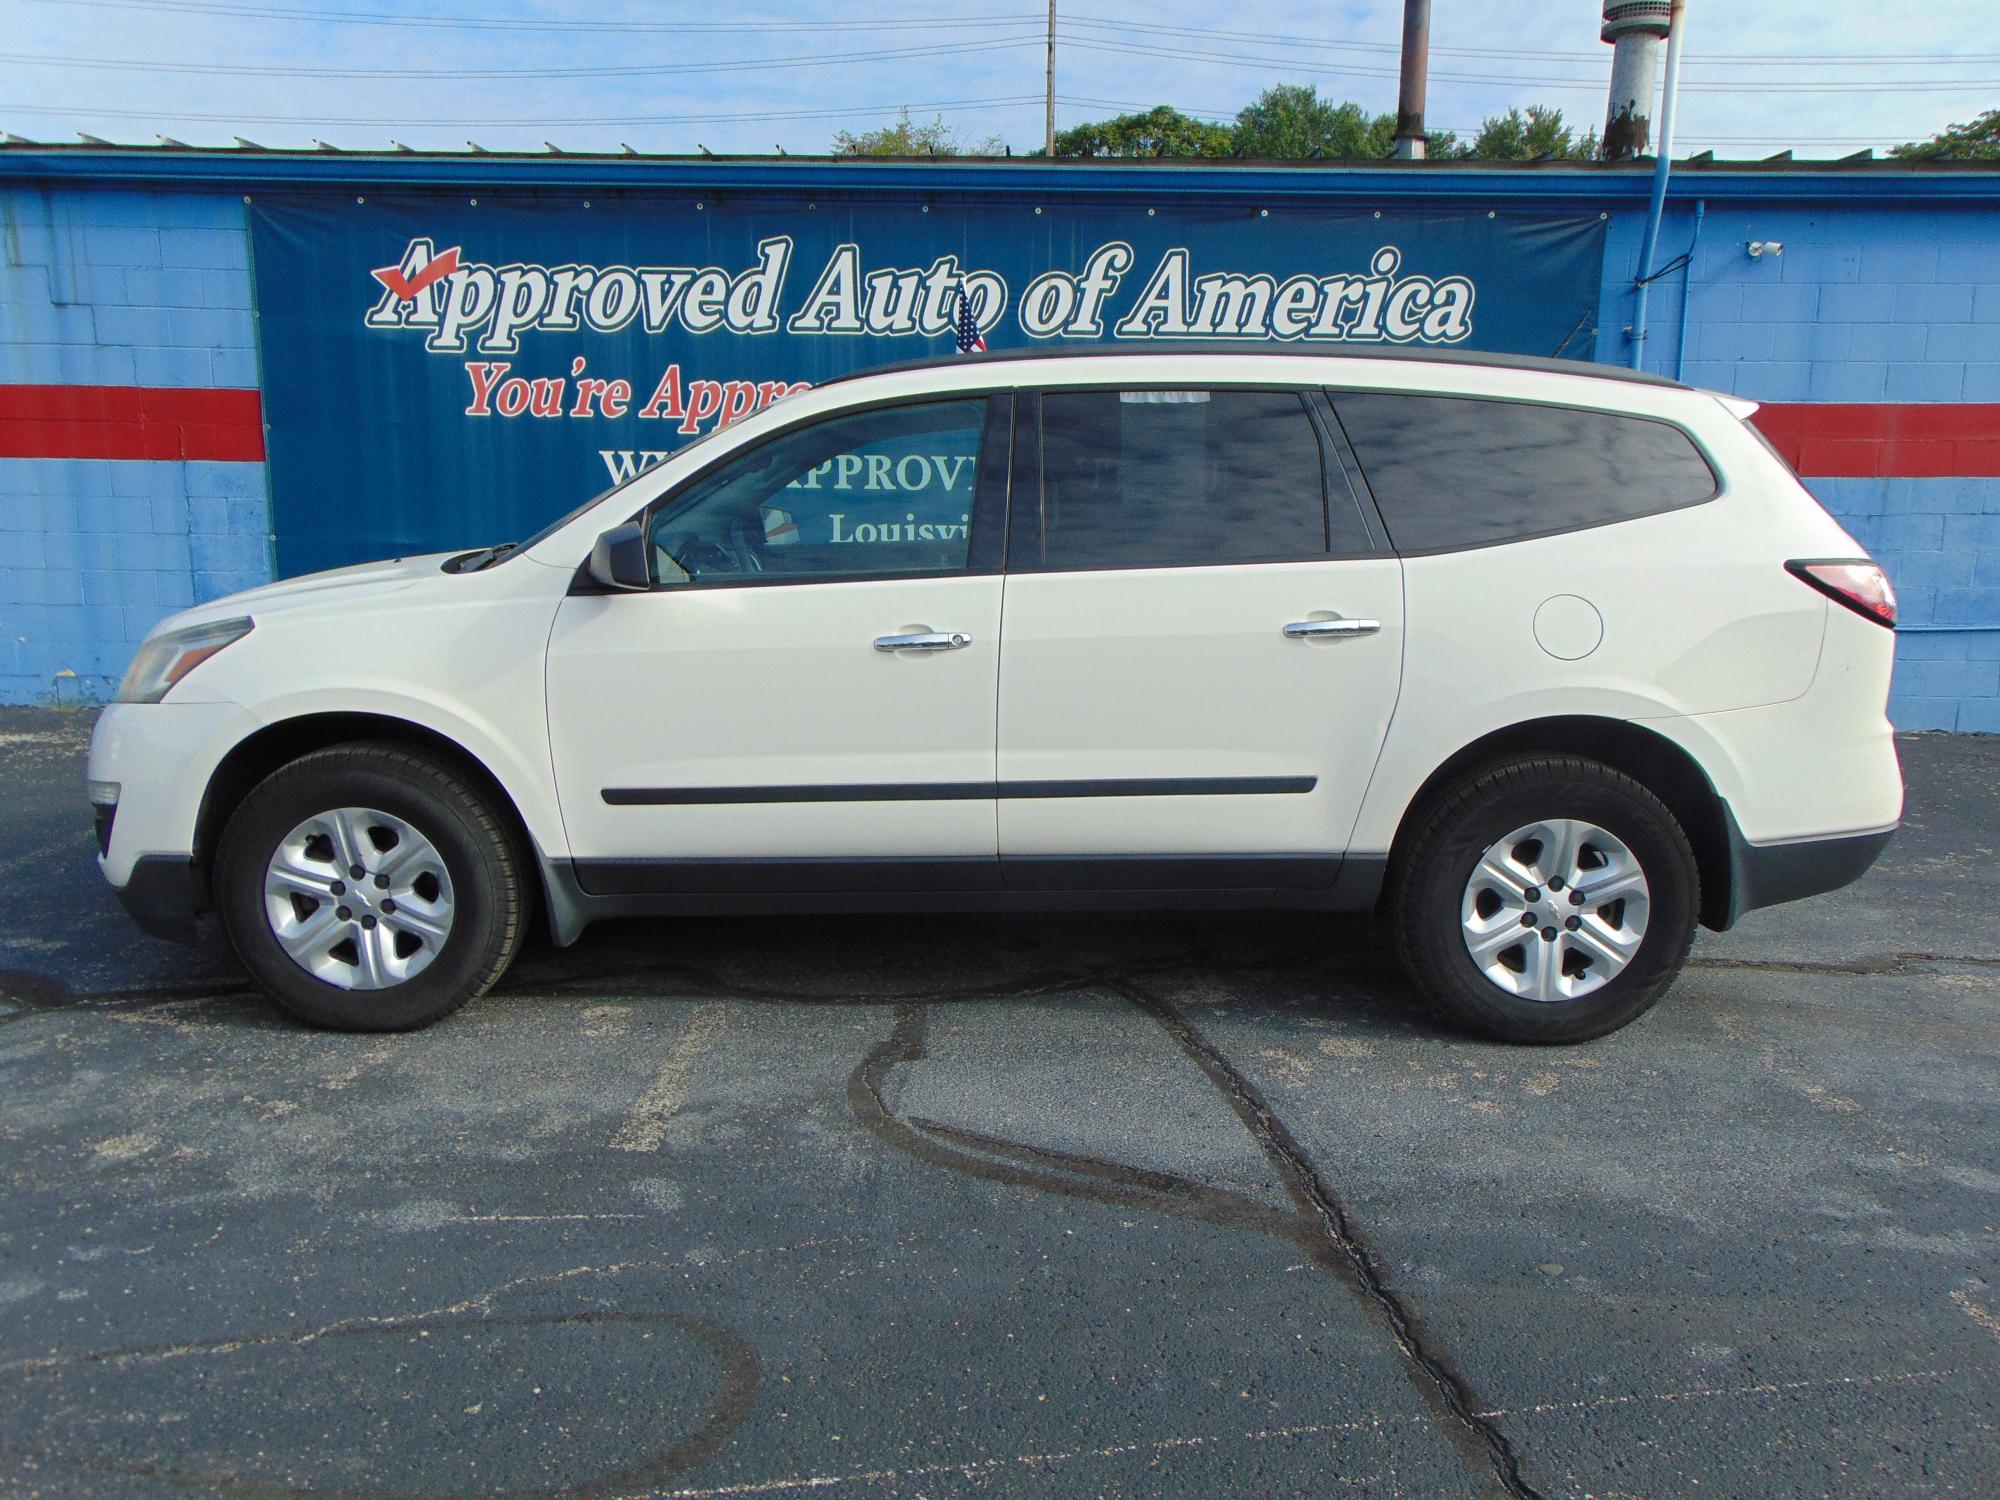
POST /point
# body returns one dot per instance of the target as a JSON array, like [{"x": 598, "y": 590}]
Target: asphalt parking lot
[{"x": 949, "y": 1206}]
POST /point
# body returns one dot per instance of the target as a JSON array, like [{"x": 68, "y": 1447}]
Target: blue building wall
[{"x": 121, "y": 285}]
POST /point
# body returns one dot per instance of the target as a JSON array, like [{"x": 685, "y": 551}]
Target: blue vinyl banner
[{"x": 441, "y": 372}]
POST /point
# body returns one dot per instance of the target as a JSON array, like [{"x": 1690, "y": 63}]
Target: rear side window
[
  {"x": 1452, "y": 471},
  {"x": 1172, "y": 478}
]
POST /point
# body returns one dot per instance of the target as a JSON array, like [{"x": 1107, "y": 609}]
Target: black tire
[
  {"x": 1428, "y": 882},
  {"x": 486, "y": 872}
]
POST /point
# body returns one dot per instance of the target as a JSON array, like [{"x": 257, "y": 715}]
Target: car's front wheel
[
  {"x": 368, "y": 887},
  {"x": 1545, "y": 899}
]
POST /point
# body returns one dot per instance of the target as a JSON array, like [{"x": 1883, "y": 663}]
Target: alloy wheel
[
  {"x": 1554, "y": 910},
  {"x": 358, "y": 898}
]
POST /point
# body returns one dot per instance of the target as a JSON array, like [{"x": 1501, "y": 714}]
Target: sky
[{"x": 1823, "y": 77}]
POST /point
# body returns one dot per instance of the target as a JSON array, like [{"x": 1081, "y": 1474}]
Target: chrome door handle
[
  {"x": 934, "y": 641},
  {"x": 1310, "y": 628}
]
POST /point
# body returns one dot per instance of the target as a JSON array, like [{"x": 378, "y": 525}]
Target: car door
[
  {"x": 804, "y": 700},
  {"x": 1203, "y": 642}
]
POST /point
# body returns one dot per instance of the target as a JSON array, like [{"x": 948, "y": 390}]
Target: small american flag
[{"x": 970, "y": 340}]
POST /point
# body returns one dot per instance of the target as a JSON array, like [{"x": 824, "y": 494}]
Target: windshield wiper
[{"x": 485, "y": 557}]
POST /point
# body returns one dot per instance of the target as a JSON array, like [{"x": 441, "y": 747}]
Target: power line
[
  {"x": 486, "y": 23},
  {"x": 1345, "y": 70},
  {"x": 405, "y": 122},
  {"x": 932, "y": 50},
  {"x": 731, "y": 65},
  {"x": 1723, "y": 59},
  {"x": 1082, "y": 100},
  {"x": 962, "y": 22},
  {"x": 1079, "y": 102}
]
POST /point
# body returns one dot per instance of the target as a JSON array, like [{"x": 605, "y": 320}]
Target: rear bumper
[
  {"x": 162, "y": 896},
  {"x": 1767, "y": 874}
]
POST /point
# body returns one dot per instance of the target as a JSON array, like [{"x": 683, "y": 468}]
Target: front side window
[
  {"x": 1171, "y": 478},
  {"x": 880, "y": 492},
  {"x": 1457, "y": 471}
]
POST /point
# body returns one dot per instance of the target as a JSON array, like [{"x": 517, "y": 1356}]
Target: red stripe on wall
[
  {"x": 130, "y": 421},
  {"x": 1866, "y": 440},
  {"x": 1821, "y": 439}
]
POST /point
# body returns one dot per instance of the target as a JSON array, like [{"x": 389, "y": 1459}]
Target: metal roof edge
[{"x": 226, "y": 168}]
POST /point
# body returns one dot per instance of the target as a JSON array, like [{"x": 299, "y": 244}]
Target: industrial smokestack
[
  {"x": 1635, "y": 28},
  {"x": 1410, "y": 139}
]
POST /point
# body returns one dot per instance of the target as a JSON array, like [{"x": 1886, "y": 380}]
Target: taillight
[{"x": 1861, "y": 585}]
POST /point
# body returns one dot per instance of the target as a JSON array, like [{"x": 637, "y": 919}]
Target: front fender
[{"x": 512, "y": 749}]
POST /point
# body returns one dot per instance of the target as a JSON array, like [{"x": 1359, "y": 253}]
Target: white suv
[{"x": 1543, "y": 663}]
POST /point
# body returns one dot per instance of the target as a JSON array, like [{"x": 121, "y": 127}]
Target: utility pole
[
  {"x": 1410, "y": 139},
  {"x": 1049, "y": 87}
]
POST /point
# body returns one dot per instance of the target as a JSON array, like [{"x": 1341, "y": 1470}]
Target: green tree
[
  {"x": 1978, "y": 140},
  {"x": 1540, "y": 132},
  {"x": 904, "y": 137},
  {"x": 1288, "y": 121},
  {"x": 1159, "y": 131},
  {"x": 1291, "y": 120}
]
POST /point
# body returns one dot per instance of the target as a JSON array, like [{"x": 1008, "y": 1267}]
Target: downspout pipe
[{"x": 1662, "y": 168}]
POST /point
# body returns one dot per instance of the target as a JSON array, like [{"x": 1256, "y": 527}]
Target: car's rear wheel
[
  {"x": 1545, "y": 899},
  {"x": 368, "y": 887}
]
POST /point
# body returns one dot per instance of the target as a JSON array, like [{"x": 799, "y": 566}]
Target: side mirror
[{"x": 618, "y": 558}]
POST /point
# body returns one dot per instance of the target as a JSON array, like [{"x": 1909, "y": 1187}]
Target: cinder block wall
[
  {"x": 1890, "y": 317},
  {"x": 103, "y": 288},
  {"x": 1870, "y": 314}
]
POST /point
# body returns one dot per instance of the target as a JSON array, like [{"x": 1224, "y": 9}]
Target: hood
[{"x": 347, "y": 583}]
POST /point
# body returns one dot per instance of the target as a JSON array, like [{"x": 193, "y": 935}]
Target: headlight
[{"x": 165, "y": 659}]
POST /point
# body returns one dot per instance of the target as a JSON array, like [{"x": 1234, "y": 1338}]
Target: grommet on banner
[
  {"x": 360, "y": 200},
  {"x": 1038, "y": 208},
  {"x": 1263, "y": 213},
  {"x": 1378, "y": 213}
]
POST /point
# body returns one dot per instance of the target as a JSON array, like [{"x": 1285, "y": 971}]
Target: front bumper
[
  {"x": 163, "y": 896},
  {"x": 162, "y": 757}
]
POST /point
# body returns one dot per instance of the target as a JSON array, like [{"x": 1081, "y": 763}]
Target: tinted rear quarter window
[
  {"x": 1453, "y": 471},
  {"x": 1172, "y": 478}
]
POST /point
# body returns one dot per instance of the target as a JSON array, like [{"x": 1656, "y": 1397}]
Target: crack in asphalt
[
  {"x": 1308, "y": 1189},
  {"x": 735, "y": 1397},
  {"x": 33, "y": 994},
  {"x": 1319, "y": 1224},
  {"x": 1880, "y": 966}
]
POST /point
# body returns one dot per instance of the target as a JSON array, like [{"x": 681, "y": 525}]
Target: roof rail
[{"x": 1389, "y": 354}]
